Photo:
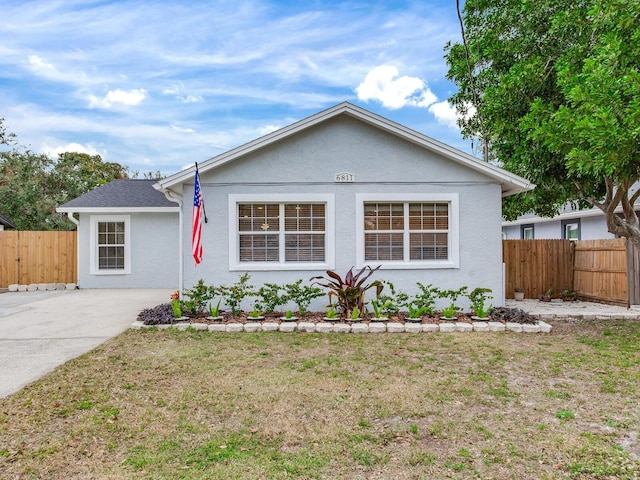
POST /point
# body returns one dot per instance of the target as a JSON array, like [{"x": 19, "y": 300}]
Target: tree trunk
[{"x": 633, "y": 271}]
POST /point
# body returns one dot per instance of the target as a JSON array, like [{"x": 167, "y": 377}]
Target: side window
[
  {"x": 571, "y": 229},
  {"x": 110, "y": 245},
  {"x": 527, "y": 232}
]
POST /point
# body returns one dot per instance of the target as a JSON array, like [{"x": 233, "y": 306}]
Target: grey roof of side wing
[
  {"x": 6, "y": 222},
  {"x": 121, "y": 194}
]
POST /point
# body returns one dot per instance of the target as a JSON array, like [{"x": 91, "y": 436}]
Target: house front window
[
  {"x": 110, "y": 252},
  {"x": 571, "y": 229},
  {"x": 417, "y": 231},
  {"x": 291, "y": 232},
  {"x": 526, "y": 232}
]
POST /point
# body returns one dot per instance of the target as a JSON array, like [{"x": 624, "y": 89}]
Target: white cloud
[
  {"x": 382, "y": 85},
  {"x": 445, "y": 114},
  {"x": 117, "y": 96},
  {"x": 70, "y": 147},
  {"x": 267, "y": 129},
  {"x": 191, "y": 99}
]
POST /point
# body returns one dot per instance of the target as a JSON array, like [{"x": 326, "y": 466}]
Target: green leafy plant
[
  {"x": 331, "y": 312},
  {"x": 355, "y": 313},
  {"x": 234, "y": 294},
  {"x": 389, "y": 303},
  {"x": 271, "y": 297},
  {"x": 255, "y": 313},
  {"x": 350, "y": 290},
  {"x": 288, "y": 314},
  {"x": 380, "y": 307},
  {"x": 426, "y": 298},
  {"x": 452, "y": 295},
  {"x": 302, "y": 295},
  {"x": 175, "y": 304},
  {"x": 416, "y": 311},
  {"x": 450, "y": 311},
  {"x": 215, "y": 311},
  {"x": 478, "y": 297},
  {"x": 197, "y": 298}
]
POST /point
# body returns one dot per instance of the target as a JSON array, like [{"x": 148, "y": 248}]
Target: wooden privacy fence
[
  {"x": 38, "y": 257},
  {"x": 537, "y": 265},
  {"x": 596, "y": 269},
  {"x": 600, "y": 270}
]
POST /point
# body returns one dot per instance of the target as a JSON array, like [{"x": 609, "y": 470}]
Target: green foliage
[
  {"x": 478, "y": 298},
  {"x": 350, "y": 290},
  {"x": 452, "y": 296},
  {"x": 234, "y": 294},
  {"x": 390, "y": 302},
  {"x": 554, "y": 88},
  {"x": 214, "y": 311},
  {"x": 197, "y": 298},
  {"x": 32, "y": 185},
  {"x": 175, "y": 307},
  {"x": 270, "y": 297},
  {"x": 331, "y": 312},
  {"x": 426, "y": 298},
  {"x": 302, "y": 295},
  {"x": 355, "y": 313}
]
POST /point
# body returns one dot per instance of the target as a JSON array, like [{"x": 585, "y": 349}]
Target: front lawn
[{"x": 169, "y": 404}]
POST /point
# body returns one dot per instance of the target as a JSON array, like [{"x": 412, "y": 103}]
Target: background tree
[
  {"x": 553, "y": 87},
  {"x": 32, "y": 185}
]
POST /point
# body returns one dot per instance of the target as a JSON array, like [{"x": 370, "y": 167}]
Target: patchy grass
[{"x": 196, "y": 405}]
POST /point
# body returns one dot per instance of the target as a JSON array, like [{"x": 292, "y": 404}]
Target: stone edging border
[{"x": 373, "y": 327}]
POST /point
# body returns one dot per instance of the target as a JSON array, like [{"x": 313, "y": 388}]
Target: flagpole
[{"x": 204, "y": 210}]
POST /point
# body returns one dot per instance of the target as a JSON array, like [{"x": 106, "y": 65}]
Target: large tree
[
  {"x": 32, "y": 185},
  {"x": 553, "y": 88}
]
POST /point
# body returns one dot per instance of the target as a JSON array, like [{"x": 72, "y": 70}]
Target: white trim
[
  {"x": 93, "y": 239},
  {"x": 327, "y": 199},
  {"x": 110, "y": 210},
  {"x": 454, "y": 229}
]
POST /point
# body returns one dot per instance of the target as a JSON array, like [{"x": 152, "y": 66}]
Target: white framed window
[
  {"x": 571, "y": 229},
  {"x": 527, "y": 232},
  {"x": 408, "y": 231},
  {"x": 281, "y": 232},
  {"x": 110, "y": 252}
]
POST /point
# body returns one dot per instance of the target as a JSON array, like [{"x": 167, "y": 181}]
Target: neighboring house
[
  {"x": 342, "y": 188},
  {"x": 127, "y": 236},
  {"x": 587, "y": 224},
  {"x": 6, "y": 224}
]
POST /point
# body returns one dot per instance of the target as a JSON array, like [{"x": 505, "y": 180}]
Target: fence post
[{"x": 633, "y": 269}]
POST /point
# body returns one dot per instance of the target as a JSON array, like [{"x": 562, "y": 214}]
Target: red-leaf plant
[{"x": 349, "y": 291}]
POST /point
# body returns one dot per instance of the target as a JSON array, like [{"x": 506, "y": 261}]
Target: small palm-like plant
[{"x": 350, "y": 290}]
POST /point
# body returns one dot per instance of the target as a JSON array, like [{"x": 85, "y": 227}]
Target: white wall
[{"x": 154, "y": 261}]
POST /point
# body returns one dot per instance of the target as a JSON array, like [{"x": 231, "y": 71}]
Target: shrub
[{"x": 350, "y": 290}]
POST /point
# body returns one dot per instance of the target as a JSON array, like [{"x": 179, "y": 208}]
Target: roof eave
[{"x": 117, "y": 209}]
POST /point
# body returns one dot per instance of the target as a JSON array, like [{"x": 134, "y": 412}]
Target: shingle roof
[
  {"x": 121, "y": 194},
  {"x": 6, "y": 222}
]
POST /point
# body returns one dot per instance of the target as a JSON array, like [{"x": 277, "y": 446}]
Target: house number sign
[{"x": 345, "y": 177}]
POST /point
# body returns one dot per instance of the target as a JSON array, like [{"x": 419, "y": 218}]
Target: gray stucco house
[
  {"x": 127, "y": 236},
  {"x": 342, "y": 188}
]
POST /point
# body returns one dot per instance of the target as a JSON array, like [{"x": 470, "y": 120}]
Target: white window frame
[
  {"x": 94, "y": 268},
  {"x": 453, "y": 238},
  {"x": 234, "y": 235}
]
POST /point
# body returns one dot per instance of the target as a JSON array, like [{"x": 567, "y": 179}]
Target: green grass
[{"x": 196, "y": 405}]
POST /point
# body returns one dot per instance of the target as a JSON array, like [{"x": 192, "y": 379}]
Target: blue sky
[{"x": 159, "y": 85}]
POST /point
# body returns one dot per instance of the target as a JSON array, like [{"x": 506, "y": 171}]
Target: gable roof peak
[{"x": 511, "y": 183}]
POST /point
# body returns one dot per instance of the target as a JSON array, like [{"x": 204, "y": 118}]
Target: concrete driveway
[{"x": 41, "y": 330}]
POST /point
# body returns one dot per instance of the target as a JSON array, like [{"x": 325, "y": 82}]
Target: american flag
[{"x": 198, "y": 214}]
